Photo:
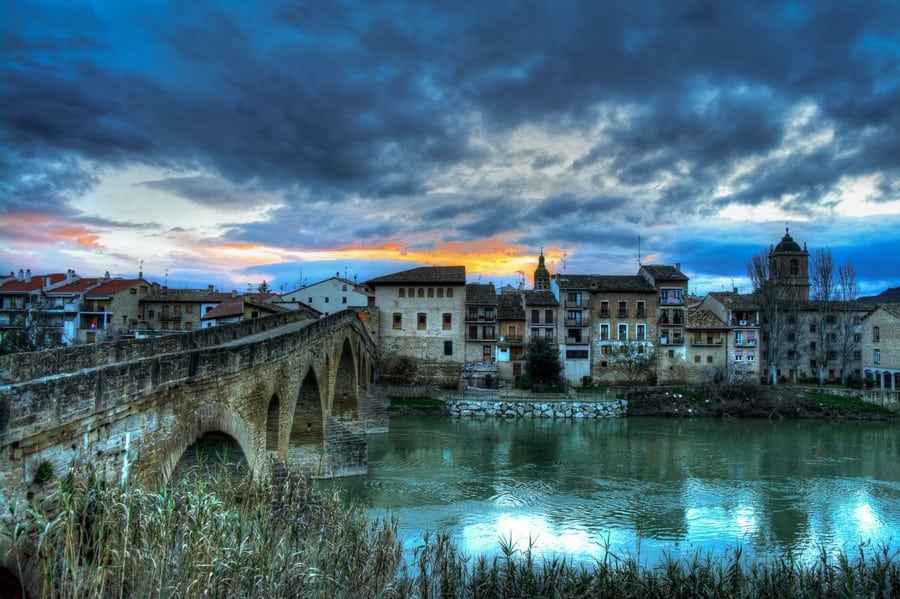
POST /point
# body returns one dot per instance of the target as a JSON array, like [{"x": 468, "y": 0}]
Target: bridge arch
[
  {"x": 345, "y": 401},
  {"x": 306, "y": 440},
  {"x": 209, "y": 421},
  {"x": 273, "y": 422}
]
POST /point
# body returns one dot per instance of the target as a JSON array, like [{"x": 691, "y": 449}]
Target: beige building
[
  {"x": 706, "y": 352},
  {"x": 111, "y": 309},
  {"x": 743, "y": 343},
  {"x": 671, "y": 288},
  {"x": 421, "y": 315},
  {"x": 602, "y": 312},
  {"x": 481, "y": 323},
  {"x": 880, "y": 346},
  {"x": 511, "y": 341}
]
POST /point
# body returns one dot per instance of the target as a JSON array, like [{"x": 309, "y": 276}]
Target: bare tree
[
  {"x": 771, "y": 305},
  {"x": 847, "y": 325},
  {"x": 822, "y": 318},
  {"x": 634, "y": 362}
]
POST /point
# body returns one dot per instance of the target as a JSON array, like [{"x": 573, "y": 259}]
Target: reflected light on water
[{"x": 527, "y": 530}]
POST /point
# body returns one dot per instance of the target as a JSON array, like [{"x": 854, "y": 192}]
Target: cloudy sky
[{"x": 230, "y": 144}]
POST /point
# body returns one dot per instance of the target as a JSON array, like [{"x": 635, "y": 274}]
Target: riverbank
[{"x": 678, "y": 402}]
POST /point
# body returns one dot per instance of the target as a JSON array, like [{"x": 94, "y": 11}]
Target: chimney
[
  {"x": 106, "y": 276},
  {"x": 28, "y": 275},
  {"x": 69, "y": 274},
  {"x": 234, "y": 293},
  {"x": 734, "y": 290},
  {"x": 21, "y": 276},
  {"x": 210, "y": 288},
  {"x": 47, "y": 282},
  {"x": 678, "y": 266}
]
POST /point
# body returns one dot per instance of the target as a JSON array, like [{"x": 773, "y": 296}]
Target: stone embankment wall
[{"x": 471, "y": 408}]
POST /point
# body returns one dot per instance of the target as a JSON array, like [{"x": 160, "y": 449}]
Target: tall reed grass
[{"x": 221, "y": 539}]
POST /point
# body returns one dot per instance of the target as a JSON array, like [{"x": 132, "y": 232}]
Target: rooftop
[
  {"x": 445, "y": 275},
  {"x": 604, "y": 283}
]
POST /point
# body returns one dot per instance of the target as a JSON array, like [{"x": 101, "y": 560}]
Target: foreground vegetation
[{"x": 221, "y": 540}]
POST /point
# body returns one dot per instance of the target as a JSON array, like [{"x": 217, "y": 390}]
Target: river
[{"x": 644, "y": 487}]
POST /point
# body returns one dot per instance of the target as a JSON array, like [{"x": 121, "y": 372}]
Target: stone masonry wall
[{"x": 470, "y": 408}]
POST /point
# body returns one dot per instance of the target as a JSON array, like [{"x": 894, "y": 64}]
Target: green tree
[{"x": 542, "y": 363}]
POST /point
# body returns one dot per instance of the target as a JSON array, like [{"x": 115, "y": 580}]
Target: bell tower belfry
[
  {"x": 541, "y": 275},
  {"x": 789, "y": 265}
]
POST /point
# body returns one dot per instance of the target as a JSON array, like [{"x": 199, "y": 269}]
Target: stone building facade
[
  {"x": 421, "y": 316},
  {"x": 880, "y": 346}
]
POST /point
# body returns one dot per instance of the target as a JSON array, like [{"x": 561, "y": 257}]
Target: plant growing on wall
[{"x": 542, "y": 363}]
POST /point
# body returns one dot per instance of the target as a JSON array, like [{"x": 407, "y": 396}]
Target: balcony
[
  {"x": 668, "y": 300},
  {"x": 170, "y": 317},
  {"x": 640, "y": 313},
  {"x": 746, "y": 342},
  {"x": 707, "y": 341},
  {"x": 577, "y": 341},
  {"x": 576, "y": 322},
  {"x": 622, "y": 314},
  {"x": 574, "y": 303},
  {"x": 481, "y": 318},
  {"x": 671, "y": 340},
  {"x": 510, "y": 340},
  {"x": 604, "y": 313}
]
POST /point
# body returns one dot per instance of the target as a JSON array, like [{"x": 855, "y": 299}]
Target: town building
[
  {"x": 111, "y": 309},
  {"x": 789, "y": 266},
  {"x": 742, "y": 345},
  {"x": 328, "y": 296},
  {"x": 25, "y": 310},
  {"x": 706, "y": 353},
  {"x": 245, "y": 307},
  {"x": 880, "y": 347},
  {"x": 671, "y": 288},
  {"x": 511, "y": 340},
  {"x": 421, "y": 316},
  {"x": 176, "y": 310}
]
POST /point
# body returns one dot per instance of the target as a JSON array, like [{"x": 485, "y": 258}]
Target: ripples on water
[{"x": 643, "y": 487}]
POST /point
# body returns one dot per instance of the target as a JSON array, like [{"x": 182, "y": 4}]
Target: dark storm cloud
[{"x": 329, "y": 102}]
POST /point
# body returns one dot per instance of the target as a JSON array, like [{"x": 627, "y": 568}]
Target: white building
[{"x": 328, "y": 296}]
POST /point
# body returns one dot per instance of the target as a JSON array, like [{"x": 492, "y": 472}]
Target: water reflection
[{"x": 640, "y": 486}]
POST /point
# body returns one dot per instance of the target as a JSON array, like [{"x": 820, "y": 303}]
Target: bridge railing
[{"x": 34, "y": 365}]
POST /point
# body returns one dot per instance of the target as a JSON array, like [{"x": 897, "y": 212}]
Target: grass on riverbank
[
  {"x": 417, "y": 404},
  {"x": 99, "y": 540},
  {"x": 843, "y": 405}
]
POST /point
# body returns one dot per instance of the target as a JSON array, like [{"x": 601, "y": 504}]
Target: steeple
[
  {"x": 541, "y": 275},
  {"x": 789, "y": 265}
]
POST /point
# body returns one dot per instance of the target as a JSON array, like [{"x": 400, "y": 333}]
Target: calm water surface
[{"x": 645, "y": 487}]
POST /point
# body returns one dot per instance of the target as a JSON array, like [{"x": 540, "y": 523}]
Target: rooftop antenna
[
  {"x": 521, "y": 279},
  {"x": 639, "y": 250},
  {"x": 564, "y": 261},
  {"x": 141, "y": 270},
  {"x": 166, "y": 279}
]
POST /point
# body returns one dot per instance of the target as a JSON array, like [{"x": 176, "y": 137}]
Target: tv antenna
[{"x": 639, "y": 250}]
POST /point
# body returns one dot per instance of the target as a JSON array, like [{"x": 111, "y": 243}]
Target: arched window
[
  {"x": 421, "y": 292},
  {"x": 795, "y": 266},
  {"x": 449, "y": 292},
  {"x": 440, "y": 292},
  {"x": 431, "y": 292},
  {"x": 402, "y": 292},
  {"x": 411, "y": 292}
]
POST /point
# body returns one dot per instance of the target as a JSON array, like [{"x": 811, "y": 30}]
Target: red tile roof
[
  {"x": 35, "y": 284},
  {"x": 114, "y": 286}
]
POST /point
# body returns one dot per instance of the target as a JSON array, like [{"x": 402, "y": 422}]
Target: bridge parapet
[
  {"x": 35, "y": 405},
  {"x": 34, "y": 365}
]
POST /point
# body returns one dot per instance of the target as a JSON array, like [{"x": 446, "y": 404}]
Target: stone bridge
[{"x": 285, "y": 391}]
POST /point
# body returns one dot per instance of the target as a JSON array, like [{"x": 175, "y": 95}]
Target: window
[
  {"x": 149, "y": 313},
  {"x": 812, "y": 346},
  {"x": 165, "y": 325},
  {"x": 641, "y": 334},
  {"x": 411, "y": 292},
  {"x": 830, "y": 319},
  {"x": 189, "y": 309},
  {"x": 606, "y": 350},
  {"x": 671, "y": 353},
  {"x": 573, "y": 299},
  {"x": 343, "y": 300},
  {"x": 431, "y": 292},
  {"x": 178, "y": 309},
  {"x": 696, "y": 359},
  {"x": 709, "y": 359},
  {"x": 878, "y": 356},
  {"x": 795, "y": 267},
  {"x": 604, "y": 332},
  {"x": 326, "y": 300},
  {"x": 176, "y": 326},
  {"x": 309, "y": 300},
  {"x": 449, "y": 292},
  {"x": 856, "y": 337},
  {"x": 489, "y": 314},
  {"x": 832, "y": 355},
  {"x": 738, "y": 357},
  {"x": 876, "y": 334},
  {"x": 623, "y": 332},
  {"x": 188, "y": 326},
  {"x": 604, "y": 309},
  {"x": 473, "y": 332},
  {"x": 548, "y": 334},
  {"x": 574, "y": 316},
  {"x": 751, "y": 357},
  {"x": 448, "y": 348},
  {"x": 548, "y": 316},
  {"x": 576, "y": 354},
  {"x": 422, "y": 321},
  {"x": 486, "y": 352},
  {"x": 440, "y": 292},
  {"x": 447, "y": 321},
  {"x": 641, "y": 309},
  {"x": 398, "y": 320},
  {"x": 535, "y": 316},
  {"x": 857, "y": 355},
  {"x": 623, "y": 310},
  {"x": 133, "y": 291},
  {"x": 401, "y": 292},
  {"x": 812, "y": 328},
  {"x": 739, "y": 338},
  {"x": 488, "y": 333},
  {"x": 343, "y": 287}
]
